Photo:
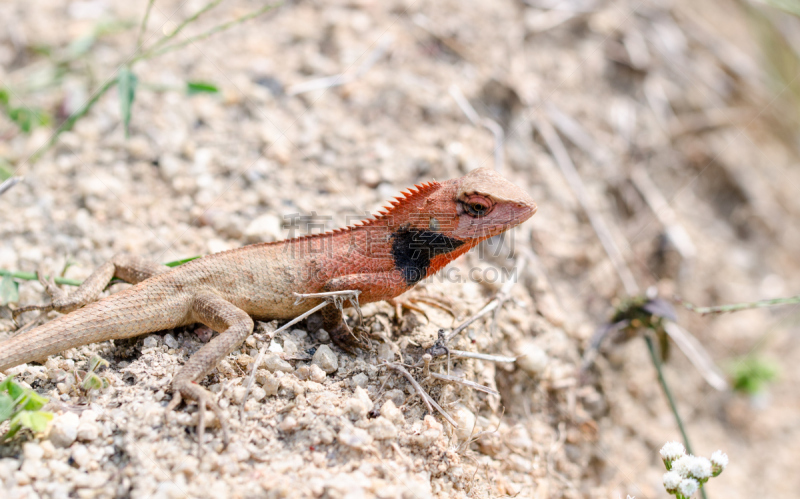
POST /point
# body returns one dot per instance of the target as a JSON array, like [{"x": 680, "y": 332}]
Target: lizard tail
[{"x": 128, "y": 313}]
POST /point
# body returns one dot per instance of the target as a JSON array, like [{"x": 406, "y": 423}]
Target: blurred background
[{"x": 660, "y": 140}]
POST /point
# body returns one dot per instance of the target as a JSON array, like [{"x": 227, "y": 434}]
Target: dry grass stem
[
  {"x": 342, "y": 78},
  {"x": 483, "y": 356},
  {"x": 564, "y": 162},
  {"x": 429, "y": 402},
  {"x": 697, "y": 355},
  {"x": 499, "y": 299},
  {"x": 664, "y": 212},
  {"x": 9, "y": 183},
  {"x": 465, "y": 382}
]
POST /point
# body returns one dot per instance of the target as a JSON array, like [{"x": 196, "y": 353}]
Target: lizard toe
[{"x": 205, "y": 400}]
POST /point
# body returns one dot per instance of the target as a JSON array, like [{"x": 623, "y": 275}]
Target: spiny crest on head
[
  {"x": 415, "y": 193},
  {"x": 409, "y": 196}
]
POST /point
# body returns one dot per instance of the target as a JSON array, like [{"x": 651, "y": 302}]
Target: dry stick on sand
[
  {"x": 342, "y": 78},
  {"x": 465, "y": 382},
  {"x": 9, "y": 183},
  {"x": 336, "y": 297},
  {"x": 564, "y": 162},
  {"x": 688, "y": 344},
  {"x": 489, "y": 124},
  {"x": 664, "y": 212},
  {"x": 422, "y": 393},
  {"x": 501, "y": 297}
]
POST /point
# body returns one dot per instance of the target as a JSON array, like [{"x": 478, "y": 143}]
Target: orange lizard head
[{"x": 434, "y": 223}]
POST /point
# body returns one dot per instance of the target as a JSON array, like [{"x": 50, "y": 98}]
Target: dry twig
[
  {"x": 564, "y": 162},
  {"x": 502, "y": 296},
  {"x": 342, "y": 78},
  {"x": 422, "y": 393}
]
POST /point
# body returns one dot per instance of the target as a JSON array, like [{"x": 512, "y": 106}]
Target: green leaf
[
  {"x": 28, "y": 118},
  {"x": 9, "y": 290},
  {"x": 81, "y": 45},
  {"x": 126, "y": 83},
  {"x": 6, "y": 407},
  {"x": 12, "y": 388},
  {"x": 4, "y": 98},
  {"x": 97, "y": 361},
  {"x": 34, "y": 401},
  {"x": 177, "y": 263},
  {"x": 34, "y": 420},
  {"x": 92, "y": 382},
  {"x": 751, "y": 374},
  {"x": 200, "y": 87},
  {"x": 790, "y": 6},
  {"x": 6, "y": 171}
]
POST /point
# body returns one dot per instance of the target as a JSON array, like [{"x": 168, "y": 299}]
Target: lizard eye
[{"x": 477, "y": 206}]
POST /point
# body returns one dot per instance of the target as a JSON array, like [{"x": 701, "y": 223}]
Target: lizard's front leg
[
  {"x": 374, "y": 286},
  {"x": 129, "y": 268},
  {"x": 234, "y": 326}
]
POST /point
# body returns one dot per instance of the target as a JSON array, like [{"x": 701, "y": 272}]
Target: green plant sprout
[
  {"x": 22, "y": 407},
  {"x": 751, "y": 374},
  {"x": 27, "y": 118},
  {"x": 91, "y": 381}
]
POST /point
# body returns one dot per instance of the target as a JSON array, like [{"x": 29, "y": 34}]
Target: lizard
[{"x": 420, "y": 232}]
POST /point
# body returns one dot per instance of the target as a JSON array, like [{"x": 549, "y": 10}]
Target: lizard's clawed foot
[
  {"x": 204, "y": 400},
  {"x": 344, "y": 338}
]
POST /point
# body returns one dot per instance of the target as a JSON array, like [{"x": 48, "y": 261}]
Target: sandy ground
[{"x": 649, "y": 101}]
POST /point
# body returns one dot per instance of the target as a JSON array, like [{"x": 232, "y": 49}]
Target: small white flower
[
  {"x": 672, "y": 451},
  {"x": 688, "y": 486},
  {"x": 681, "y": 465},
  {"x": 720, "y": 460},
  {"x": 699, "y": 468},
  {"x": 671, "y": 481}
]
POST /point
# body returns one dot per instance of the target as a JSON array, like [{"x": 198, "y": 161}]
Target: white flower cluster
[{"x": 687, "y": 473}]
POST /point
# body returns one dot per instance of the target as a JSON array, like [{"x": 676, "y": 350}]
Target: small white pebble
[
  {"x": 170, "y": 341},
  {"x": 356, "y": 408},
  {"x": 465, "y": 420},
  {"x": 316, "y": 374},
  {"x": 392, "y": 413},
  {"x": 288, "y": 425},
  {"x": 274, "y": 363},
  {"x": 359, "y": 380},
  {"x": 150, "y": 341},
  {"x": 32, "y": 451},
  {"x": 385, "y": 352},
  {"x": 258, "y": 393},
  {"x": 381, "y": 428},
  {"x": 326, "y": 359},
  {"x": 80, "y": 454},
  {"x": 323, "y": 336},
  {"x": 64, "y": 430},
  {"x": 531, "y": 358},
  {"x": 238, "y": 394},
  {"x": 354, "y": 437},
  {"x": 289, "y": 346}
]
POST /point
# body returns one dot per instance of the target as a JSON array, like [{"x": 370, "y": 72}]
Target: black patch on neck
[{"x": 413, "y": 250}]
